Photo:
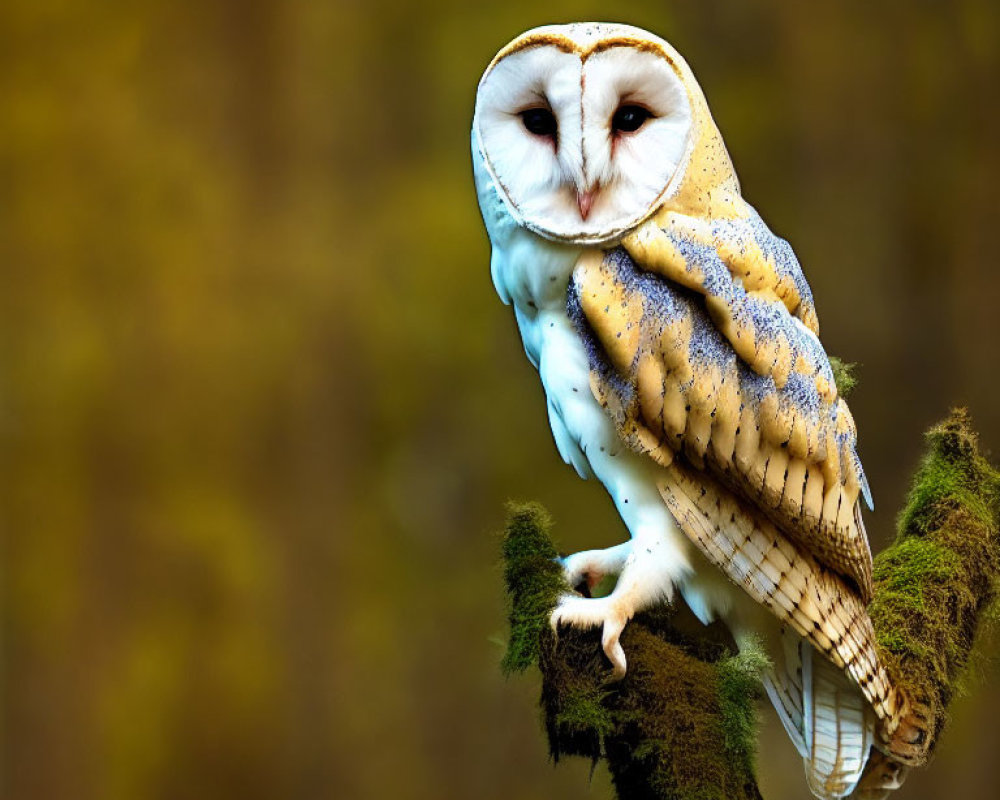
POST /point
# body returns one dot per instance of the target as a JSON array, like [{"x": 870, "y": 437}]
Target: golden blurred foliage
[{"x": 260, "y": 407}]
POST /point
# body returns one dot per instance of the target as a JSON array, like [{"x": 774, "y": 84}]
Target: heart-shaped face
[{"x": 583, "y": 129}]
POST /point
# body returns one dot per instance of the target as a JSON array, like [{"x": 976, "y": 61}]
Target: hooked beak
[{"x": 584, "y": 200}]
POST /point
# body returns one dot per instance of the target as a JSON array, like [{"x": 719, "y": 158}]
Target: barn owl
[{"x": 677, "y": 343}]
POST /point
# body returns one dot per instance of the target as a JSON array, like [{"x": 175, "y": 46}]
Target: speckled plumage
[
  {"x": 678, "y": 348},
  {"x": 677, "y": 385}
]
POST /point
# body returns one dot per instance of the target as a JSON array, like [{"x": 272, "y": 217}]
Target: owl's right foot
[{"x": 590, "y": 567}]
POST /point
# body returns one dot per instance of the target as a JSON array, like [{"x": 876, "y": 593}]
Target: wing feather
[
  {"x": 690, "y": 363},
  {"x": 803, "y": 594}
]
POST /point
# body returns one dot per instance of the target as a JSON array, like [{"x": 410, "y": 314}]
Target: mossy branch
[
  {"x": 934, "y": 584},
  {"x": 682, "y": 723}
]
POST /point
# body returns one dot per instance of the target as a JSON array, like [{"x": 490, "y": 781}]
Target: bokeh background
[{"x": 260, "y": 408}]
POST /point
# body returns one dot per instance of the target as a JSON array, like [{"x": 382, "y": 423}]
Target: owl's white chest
[
  {"x": 533, "y": 274},
  {"x": 535, "y": 278}
]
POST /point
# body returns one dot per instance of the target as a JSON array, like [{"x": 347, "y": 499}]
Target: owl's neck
[
  {"x": 529, "y": 271},
  {"x": 533, "y": 273}
]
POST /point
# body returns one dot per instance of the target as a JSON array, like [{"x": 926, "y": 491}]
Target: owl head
[{"x": 588, "y": 129}]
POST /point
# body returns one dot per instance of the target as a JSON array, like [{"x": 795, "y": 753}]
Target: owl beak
[{"x": 584, "y": 200}]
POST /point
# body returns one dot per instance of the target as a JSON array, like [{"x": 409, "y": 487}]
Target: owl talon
[
  {"x": 607, "y": 612},
  {"x": 610, "y": 640}
]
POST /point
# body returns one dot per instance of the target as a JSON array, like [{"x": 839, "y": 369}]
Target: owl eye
[
  {"x": 629, "y": 118},
  {"x": 539, "y": 121}
]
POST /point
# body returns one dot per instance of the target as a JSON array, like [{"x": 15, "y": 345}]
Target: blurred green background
[{"x": 260, "y": 408}]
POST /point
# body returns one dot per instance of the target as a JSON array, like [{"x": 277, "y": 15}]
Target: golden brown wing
[
  {"x": 801, "y": 592},
  {"x": 745, "y": 393},
  {"x": 736, "y": 263}
]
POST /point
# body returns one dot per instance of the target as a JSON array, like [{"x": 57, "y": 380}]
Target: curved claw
[
  {"x": 613, "y": 647},
  {"x": 583, "y": 613}
]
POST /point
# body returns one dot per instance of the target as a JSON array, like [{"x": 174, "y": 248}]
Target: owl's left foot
[
  {"x": 644, "y": 582},
  {"x": 609, "y": 613}
]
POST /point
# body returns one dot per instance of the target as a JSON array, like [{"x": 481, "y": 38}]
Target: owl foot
[
  {"x": 645, "y": 579},
  {"x": 590, "y": 567},
  {"x": 610, "y": 613}
]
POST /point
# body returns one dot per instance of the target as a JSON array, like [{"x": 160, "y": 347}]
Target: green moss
[
  {"x": 677, "y": 707},
  {"x": 935, "y": 582},
  {"x": 739, "y": 682},
  {"x": 893, "y": 640},
  {"x": 951, "y": 475},
  {"x": 914, "y": 578},
  {"x": 843, "y": 375},
  {"x": 584, "y": 711},
  {"x": 534, "y": 581},
  {"x": 908, "y": 571}
]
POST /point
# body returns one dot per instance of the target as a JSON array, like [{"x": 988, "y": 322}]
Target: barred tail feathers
[{"x": 826, "y": 717}]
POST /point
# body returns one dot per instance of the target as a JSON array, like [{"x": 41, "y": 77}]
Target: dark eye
[
  {"x": 629, "y": 118},
  {"x": 539, "y": 121}
]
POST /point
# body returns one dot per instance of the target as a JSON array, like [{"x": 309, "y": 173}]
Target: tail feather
[
  {"x": 826, "y": 717},
  {"x": 783, "y": 685},
  {"x": 839, "y": 727}
]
